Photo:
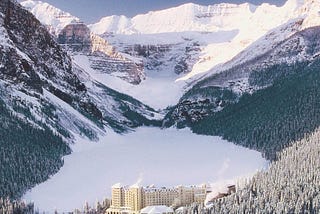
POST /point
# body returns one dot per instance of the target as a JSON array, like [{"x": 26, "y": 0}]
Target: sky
[{"x": 91, "y": 11}]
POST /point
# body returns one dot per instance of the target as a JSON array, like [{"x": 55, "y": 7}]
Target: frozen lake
[{"x": 161, "y": 157}]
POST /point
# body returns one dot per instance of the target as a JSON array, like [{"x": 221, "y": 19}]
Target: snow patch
[{"x": 158, "y": 90}]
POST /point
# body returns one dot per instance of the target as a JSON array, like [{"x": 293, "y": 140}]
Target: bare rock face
[
  {"x": 30, "y": 51},
  {"x": 99, "y": 44},
  {"x": 104, "y": 58},
  {"x": 76, "y": 36},
  {"x": 33, "y": 61}
]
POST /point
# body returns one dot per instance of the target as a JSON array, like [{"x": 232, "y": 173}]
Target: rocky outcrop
[
  {"x": 106, "y": 59},
  {"x": 99, "y": 44},
  {"x": 76, "y": 36},
  {"x": 178, "y": 58},
  {"x": 77, "y": 39}
]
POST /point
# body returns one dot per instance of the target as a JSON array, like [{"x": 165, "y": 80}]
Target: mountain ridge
[
  {"x": 196, "y": 15},
  {"x": 241, "y": 24},
  {"x": 47, "y": 101}
]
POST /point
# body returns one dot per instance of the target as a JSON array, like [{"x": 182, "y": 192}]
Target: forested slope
[
  {"x": 28, "y": 154},
  {"x": 290, "y": 185},
  {"x": 266, "y": 120},
  {"x": 269, "y": 119}
]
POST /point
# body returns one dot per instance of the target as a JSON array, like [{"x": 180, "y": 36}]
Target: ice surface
[{"x": 162, "y": 157}]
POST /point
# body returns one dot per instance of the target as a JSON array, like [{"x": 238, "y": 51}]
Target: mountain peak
[
  {"x": 294, "y": 4},
  {"x": 183, "y": 18},
  {"x": 54, "y": 18}
]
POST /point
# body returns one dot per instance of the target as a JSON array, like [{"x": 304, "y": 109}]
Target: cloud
[
  {"x": 139, "y": 181},
  {"x": 225, "y": 166}
]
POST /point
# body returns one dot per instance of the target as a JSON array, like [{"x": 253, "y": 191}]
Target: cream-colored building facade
[{"x": 130, "y": 200}]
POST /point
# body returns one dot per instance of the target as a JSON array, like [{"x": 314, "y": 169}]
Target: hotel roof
[{"x": 156, "y": 210}]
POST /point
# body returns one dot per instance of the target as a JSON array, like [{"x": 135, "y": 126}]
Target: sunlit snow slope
[
  {"x": 248, "y": 21},
  {"x": 54, "y": 18},
  {"x": 177, "y": 45}
]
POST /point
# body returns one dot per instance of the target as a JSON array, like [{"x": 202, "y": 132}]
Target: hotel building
[{"x": 130, "y": 200}]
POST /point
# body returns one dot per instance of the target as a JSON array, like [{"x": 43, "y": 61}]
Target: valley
[{"x": 220, "y": 94}]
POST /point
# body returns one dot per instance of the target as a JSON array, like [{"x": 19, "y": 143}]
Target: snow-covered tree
[{"x": 290, "y": 185}]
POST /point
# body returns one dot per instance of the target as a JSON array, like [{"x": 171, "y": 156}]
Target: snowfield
[
  {"x": 159, "y": 90},
  {"x": 162, "y": 157}
]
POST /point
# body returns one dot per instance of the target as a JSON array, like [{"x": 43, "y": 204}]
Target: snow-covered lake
[{"x": 161, "y": 157}]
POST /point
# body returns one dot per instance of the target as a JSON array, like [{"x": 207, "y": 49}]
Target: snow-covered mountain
[
  {"x": 46, "y": 100},
  {"x": 54, "y": 18},
  {"x": 241, "y": 76},
  {"x": 193, "y": 17},
  {"x": 102, "y": 56},
  {"x": 264, "y": 74},
  {"x": 283, "y": 44},
  {"x": 173, "y": 46},
  {"x": 184, "y": 42},
  {"x": 241, "y": 24},
  {"x": 187, "y": 17},
  {"x": 33, "y": 60},
  {"x": 169, "y": 50}
]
